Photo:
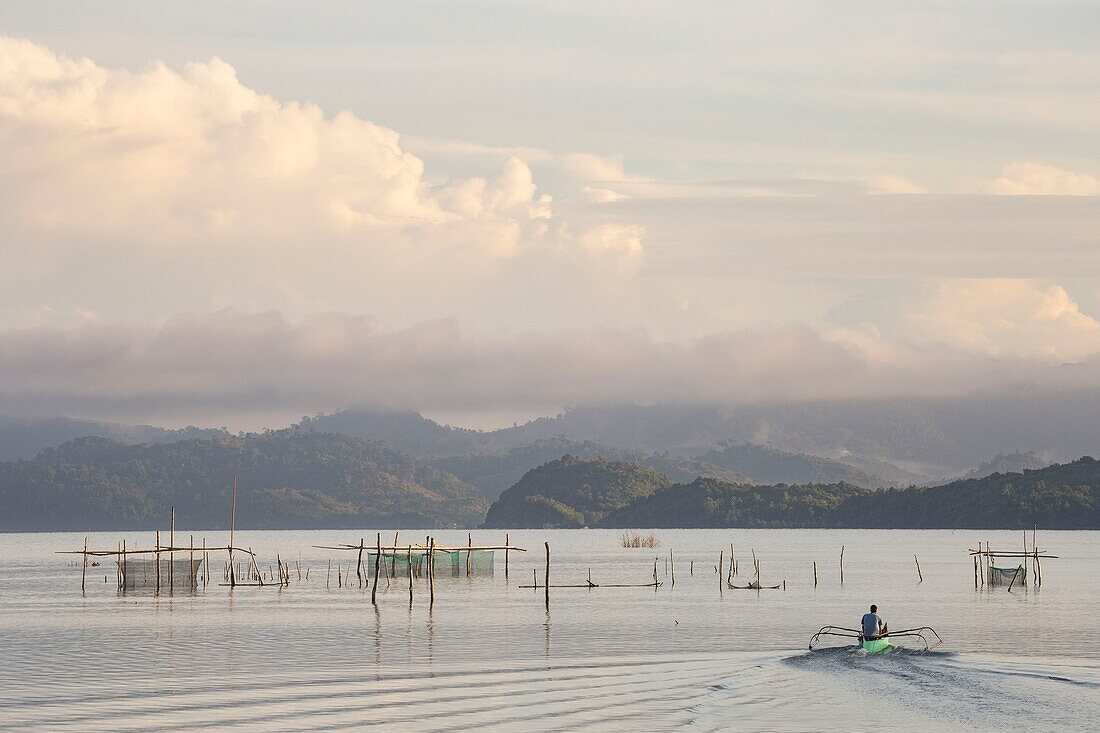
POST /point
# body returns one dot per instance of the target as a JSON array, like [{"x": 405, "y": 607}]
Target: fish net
[
  {"x": 1004, "y": 576},
  {"x": 140, "y": 572},
  {"x": 448, "y": 563}
]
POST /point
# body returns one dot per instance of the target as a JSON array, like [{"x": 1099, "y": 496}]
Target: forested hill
[
  {"x": 1063, "y": 496},
  {"x": 573, "y": 492},
  {"x": 290, "y": 478}
]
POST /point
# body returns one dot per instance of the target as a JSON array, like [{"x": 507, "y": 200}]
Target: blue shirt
[{"x": 871, "y": 624}]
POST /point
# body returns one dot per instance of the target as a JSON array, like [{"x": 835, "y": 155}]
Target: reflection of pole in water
[
  {"x": 431, "y": 641},
  {"x": 377, "y": 643}
]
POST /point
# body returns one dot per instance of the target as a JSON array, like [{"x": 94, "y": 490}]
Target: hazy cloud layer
[{"x": 257, "y": 367}]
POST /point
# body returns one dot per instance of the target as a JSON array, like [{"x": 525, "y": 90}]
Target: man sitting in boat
[{"x": 872, "y": 624}]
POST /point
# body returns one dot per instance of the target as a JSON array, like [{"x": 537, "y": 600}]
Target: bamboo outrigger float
[{"x": 879, "y": 643}]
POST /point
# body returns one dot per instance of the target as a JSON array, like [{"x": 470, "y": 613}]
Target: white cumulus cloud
[
  {"x": 180, "y": 171},
  {"x": 1038, "y": 179}
]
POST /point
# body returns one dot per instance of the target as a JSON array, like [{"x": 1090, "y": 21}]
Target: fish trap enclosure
[
  {"x": 445, "y": 563},
  {"x": 456, "y": 563},
  {"x": 143, "y": 573}
]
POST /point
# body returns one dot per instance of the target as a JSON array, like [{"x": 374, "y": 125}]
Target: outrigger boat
[{"x": 879, "y": 643}]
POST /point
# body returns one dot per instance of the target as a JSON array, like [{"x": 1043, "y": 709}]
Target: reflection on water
[{"x": 488, "y": 655}]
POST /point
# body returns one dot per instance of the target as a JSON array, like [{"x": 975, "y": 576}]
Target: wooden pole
[
  {"x": 393, "y": 558},
  {"x": 359, "y": 564},
  {"x": 172, "y": 554},
  {"x": 975, "y": 572},
  {"x": 919, "y": 576},
  {"x": 328, "y": 573},
  {"x": 547, "y": 577},
  {"x": 721, "y": 563},
  {"x": 815, "y": 573},
  {"x": 409, "y": 562},
  {"x": 232, "y": 531},
  {"x": 377, "y": 560},
  {"x": 842, "y": 564},
  {"x": 157, "y": 556},
  {"x": 691, "y": 568},
  {"x": 84, "y": 569},
  {"x": 733, "y": 561},
  {"x": 1025, "y": 559},
  {"x": 672, "y": 563},
  {"x": 507, "y": 544},
  {"x": 431, "y": 572},
  {"x": 469, "y": 543}
]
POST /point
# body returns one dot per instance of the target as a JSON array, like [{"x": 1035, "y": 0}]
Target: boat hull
[{"x": 874, "y": 646}]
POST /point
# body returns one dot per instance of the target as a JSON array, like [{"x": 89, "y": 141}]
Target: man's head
[{"x": 874, "y": 608}]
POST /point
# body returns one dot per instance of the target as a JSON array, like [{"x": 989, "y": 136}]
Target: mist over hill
[
  {"x": 24, "y": 437},
  {"x": 919, "y": 439}
]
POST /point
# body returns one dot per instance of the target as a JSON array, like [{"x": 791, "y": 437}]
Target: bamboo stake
[
  {"x": 921, "y": 577},
  {"x": 721, "y": 562},
  {"x": 507, "y": 542},
  {"x": 158, "y": 560},
  {"x": 393, "y": 557},
  {"x": 84, "y": 569},
  {"x": 672, "y": 562},
  {"x": 232, "y": 531},
  {"x": 409, "y": 562},
  {"x": 815, "y": 573},
  {"x": 547, "y": 577},
  {"x": 172, "y": 555},
  {"x": 842, "y": 564},
  {"x": 431, "y": 572},
  {"x": 328, "y": 573},
  {"x": 377, "y": 561},
  {"x": 1025, "y": 559},
  {"x": 359, "y": 564},
  {"x": 469, "y": 543},
  {"x": 733, "y": 561}
]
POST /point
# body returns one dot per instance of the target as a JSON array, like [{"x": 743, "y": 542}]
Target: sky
[{"x": 240, "y": 213}]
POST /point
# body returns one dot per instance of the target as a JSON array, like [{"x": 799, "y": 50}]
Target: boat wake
[{"x": 970, "y": 692}]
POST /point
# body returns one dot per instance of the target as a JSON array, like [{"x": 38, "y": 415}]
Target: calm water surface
[{"x": 489, "y": 656}]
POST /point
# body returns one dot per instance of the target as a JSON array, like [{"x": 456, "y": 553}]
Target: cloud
[
  {"x": 239, "y": 368},
  {"x": 183, "y": 171},
  {"x": 1038, "y": 179},
  {"x": 1005, "y": 318}
]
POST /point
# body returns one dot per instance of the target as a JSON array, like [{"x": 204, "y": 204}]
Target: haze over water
[{"x": 489, "y": 656}]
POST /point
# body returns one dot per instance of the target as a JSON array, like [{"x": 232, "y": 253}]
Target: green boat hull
[{"x": 874, "y": 646}]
